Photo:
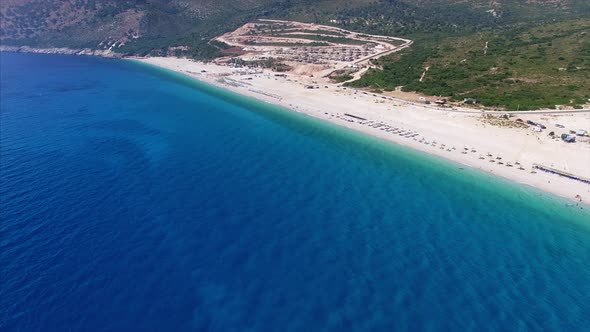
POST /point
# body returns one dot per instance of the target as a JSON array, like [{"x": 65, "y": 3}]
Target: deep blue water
[{"x": 136, "y": 200}]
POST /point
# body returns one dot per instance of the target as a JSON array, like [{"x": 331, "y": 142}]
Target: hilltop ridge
[{"x": 144, "y": 26}]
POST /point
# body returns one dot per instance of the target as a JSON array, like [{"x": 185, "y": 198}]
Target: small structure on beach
[
  {"x": 561, "y": 173},
  {"x": 568, "y": 138},
  {"x": 355, "y": 117}
]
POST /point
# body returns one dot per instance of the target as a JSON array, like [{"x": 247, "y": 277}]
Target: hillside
[
  {"x": 519, "y": 69},
  {"x": 522, "y": 35},
  {"x": 144, "y": 25}
]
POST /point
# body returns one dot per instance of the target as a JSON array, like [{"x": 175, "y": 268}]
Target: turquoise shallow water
[{"x": 137, "y": 199}]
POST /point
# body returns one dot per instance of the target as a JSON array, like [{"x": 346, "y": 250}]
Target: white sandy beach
[{"x": 460, "y": 137}]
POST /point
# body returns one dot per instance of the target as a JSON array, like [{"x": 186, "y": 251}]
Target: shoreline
[
  {"x": 109, "y": 54},
  {"x": 61, "y": 50},
  {"x": 455, "y": 136},
  {"x": 452, "y": 134}
]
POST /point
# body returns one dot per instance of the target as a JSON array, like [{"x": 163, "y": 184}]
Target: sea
[{"x": 137, "y": 199}]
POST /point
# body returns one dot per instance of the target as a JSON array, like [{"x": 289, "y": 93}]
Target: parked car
[{"x": 568, "y": 138}]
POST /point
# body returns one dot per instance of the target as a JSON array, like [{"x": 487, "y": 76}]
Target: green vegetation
[
  {"x": 342, "y": 78},
  {"x": 393, "y": 42},
  {"x": 523, "y": 68}
]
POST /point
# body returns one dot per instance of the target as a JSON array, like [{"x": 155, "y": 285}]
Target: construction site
[{"x": 305, "y": 49}]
